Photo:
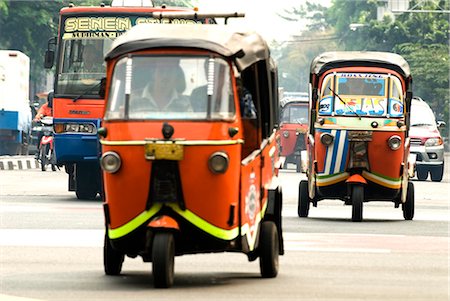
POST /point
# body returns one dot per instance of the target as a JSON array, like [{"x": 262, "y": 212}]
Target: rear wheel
[
  {"x": 163, "y": 259},
  {"x": 408, "y": 206},
  {"x": 303, "y": 199},
  {"x": 437, "y": 172},
  {"x": 269, "y": 249},
  {"x": 112, "y": 259},
  {"x": 357, "y": 202},
  {"x": 422, "y": 173}
]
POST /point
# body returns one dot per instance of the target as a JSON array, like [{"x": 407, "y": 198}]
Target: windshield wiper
[
  {"x": 87, "y": 91},
  {"x": 344, "y": 102}
]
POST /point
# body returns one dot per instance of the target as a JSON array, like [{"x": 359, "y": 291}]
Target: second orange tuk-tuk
[
  {"x": 189, "y": 152},
  {"x": 293, "y": 129},
  {"x": 358, "y": 144}
]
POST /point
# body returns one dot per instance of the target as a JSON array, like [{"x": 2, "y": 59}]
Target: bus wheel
[
  {"x": 408, "y": 206},
  {"x": 163, "y": 259},
  {"x": 269, "y": 250},
  {"x": 112, "y": 259},
  {"x": 303, "y": 199},
  {"x": 357, "y": 202}
]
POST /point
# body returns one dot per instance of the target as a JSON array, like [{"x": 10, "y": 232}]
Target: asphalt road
[{"x": 51, "y": 249}]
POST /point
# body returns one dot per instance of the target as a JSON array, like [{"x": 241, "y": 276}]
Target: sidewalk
[{"x": 18, "y": 162}]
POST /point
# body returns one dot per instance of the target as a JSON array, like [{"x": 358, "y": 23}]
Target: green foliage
[{"x": 421, "y": 38}]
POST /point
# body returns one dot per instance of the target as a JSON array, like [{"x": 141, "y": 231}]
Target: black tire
[
  {"x": 86, "y": 182},
  {"x": 43, "y": 157},
  {"x": 437, "y": 173},
  {"x": 408, "y": 206},
  {"x": 112, "y": 259},
  {"x": 269, "y": 250},
  {"x": 303, "y": 199},
  {"x": 422, "y": 173},
  {"x": 357, "y": 202},
  {"x": 163, "y": 259}
]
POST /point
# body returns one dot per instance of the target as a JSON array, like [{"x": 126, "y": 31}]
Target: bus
[{"x": 85, "y": 34}]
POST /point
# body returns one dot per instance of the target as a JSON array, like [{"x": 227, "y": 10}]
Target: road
[{"x": 51, "y": 249}]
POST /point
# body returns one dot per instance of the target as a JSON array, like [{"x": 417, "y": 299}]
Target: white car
[{"x": 426, "y": 141}]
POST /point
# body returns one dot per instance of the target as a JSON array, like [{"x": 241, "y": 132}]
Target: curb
[{"x": 18, "y": 162}]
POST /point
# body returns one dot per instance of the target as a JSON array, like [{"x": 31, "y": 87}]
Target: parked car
[{"x": 426, "y": 141}]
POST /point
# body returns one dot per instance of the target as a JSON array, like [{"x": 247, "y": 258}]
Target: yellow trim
[
  {"x": 134, "y": 223},
  {"x": 331, "y": 180},
  {"x": 205, "y": 226},
  {"x": 394, "y": 184},
  {"x": 178, "y": 142}
]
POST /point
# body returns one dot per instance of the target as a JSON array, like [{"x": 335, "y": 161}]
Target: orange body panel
[
  {"x": 205, "y": 194},
  {"x": 82, "y": 108}
]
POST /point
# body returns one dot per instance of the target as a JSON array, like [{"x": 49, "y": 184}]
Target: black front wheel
[
  {"x": 163, "y": 259},
  {"x": 357, "y": 202},
  {"x": 43, "y": 156},
  {"x": 269, "y": 250},
  {"x": 112, "y": 259}
]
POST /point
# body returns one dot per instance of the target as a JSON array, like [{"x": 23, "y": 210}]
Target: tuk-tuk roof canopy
[
  {"x": 336, "y": 59},
  {"x": 246, "y": 48}
]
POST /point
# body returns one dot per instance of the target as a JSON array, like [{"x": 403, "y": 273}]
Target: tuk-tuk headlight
[
  {"x": 218, "y": 162},
  {"x": 285, "y": 134},
  {"x": 110, "y": 162},
  {"x": 326, "y": 139},
  {"x": 395, "y": 142}
]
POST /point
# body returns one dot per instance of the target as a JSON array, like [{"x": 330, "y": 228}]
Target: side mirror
[
  {"x": 49, "y": 59},
  {"x": 50, "y": 53},
  {"x": 441, "y": 124},
  {"x": 102, "y": 88}
]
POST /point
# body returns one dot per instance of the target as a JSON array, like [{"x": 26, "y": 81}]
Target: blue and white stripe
[{"x": 336, "y": 155}]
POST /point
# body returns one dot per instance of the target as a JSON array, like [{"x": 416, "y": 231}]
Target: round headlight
[
  {"x": 218, "y": 162},
  {"x": 110, "y": 162},
  {"x": 285, "y": 134},
  {"x": 395, "y": 142},
  {"x": 326, "y": 139}
]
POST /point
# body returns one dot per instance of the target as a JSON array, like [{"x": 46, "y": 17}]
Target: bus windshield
[
  {"x": 361, "y": 94},
  {"x": 171, "y": 87},
  {"x": 82, "y": 66}
]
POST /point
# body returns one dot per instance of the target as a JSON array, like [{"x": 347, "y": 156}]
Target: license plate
[{"x": 157, "y": 150}]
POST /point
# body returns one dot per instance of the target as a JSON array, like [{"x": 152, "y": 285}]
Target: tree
[{"x": 421, "y": 38}]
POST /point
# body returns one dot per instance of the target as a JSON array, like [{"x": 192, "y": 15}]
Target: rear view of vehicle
[
  {"x": 426, "y": 141},
  {"x": 293, "y": 129},
  {"x": 15, "y": 112},
  {"x": 185, "y": 170}
]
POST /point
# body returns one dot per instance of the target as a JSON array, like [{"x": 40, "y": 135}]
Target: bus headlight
[
  {"x": 218, "y": 162},
  {"x": 110, "y": 162},
  {"x": 395, "y": 142}
]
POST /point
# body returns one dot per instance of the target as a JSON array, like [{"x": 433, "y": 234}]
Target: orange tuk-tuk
[
  {"x": 293, "y": 129},
  {"x": 189, "y": 154},
  {"x": 358, "y": 144}
]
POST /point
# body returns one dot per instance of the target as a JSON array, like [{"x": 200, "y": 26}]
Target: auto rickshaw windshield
[
  {"x": 361, "y": 94},
  {"x": 171, "y": 87},
  {"x": 295, "y": 113}
]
